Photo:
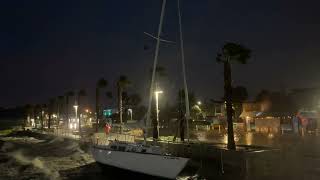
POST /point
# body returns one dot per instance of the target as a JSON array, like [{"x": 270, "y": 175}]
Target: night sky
[{"x": 49, "y": 47}]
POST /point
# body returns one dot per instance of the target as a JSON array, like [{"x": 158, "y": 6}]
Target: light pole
[
  {"x": 130, "y": 111},
  {"x": 76, "y": 111},
  {"x": 157, "y": 108},
  {"x": 199, "y": 104}
]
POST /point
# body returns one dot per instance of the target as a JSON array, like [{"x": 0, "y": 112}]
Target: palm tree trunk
[
  {"x": 35, "y": 117},
  {"x": 228, "y": 97},
  {"x": 50, "y": 111},
  {"x": 79, "y": 116},
  {"x": 41, "y": 116},
  {"x": 120, "y": 106},
  {"x": 58, "y": 113},
  {"x": 97, "y": 108},
  {"x": 49, "y": 121},
  {"x": 67, "y": 111}
]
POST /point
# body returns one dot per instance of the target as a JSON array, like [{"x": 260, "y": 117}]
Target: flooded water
[{"x": 26, "y": 155}]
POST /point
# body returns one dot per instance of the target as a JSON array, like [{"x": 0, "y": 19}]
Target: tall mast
[
  {"x": 186, "y": 94},
  {"x": 155, "y": 62}
]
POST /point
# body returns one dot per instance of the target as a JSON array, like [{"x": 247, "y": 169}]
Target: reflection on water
[
  {"x": 270, "y": 135},
  {"x": 249, "y": 138},
  {"x": 225, "y": 138}
]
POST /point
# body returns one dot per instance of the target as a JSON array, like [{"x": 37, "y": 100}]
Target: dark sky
[{"x": 49, "y": 47}]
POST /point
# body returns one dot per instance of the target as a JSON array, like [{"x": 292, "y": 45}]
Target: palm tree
[
  {"x": 122, "y": 83},
  {"x": 50, "y": 111},
  {"x": 231, "y": 52},
  {"x": 80, "y": 94},
  {"x": 36, "y": 111},
  {"x": 42, "y": 112},
  {"x": 102, "y": 83},
  {"x": 59, "y": 107},
  {"x": 28, "y": 111},
  {"x": 67, "y": 95}
]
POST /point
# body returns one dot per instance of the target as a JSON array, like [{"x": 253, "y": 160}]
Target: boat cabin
[{"x": 137, "y": 148}]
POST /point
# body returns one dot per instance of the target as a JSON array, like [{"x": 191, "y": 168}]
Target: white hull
[{"x": 151, "y": 164}]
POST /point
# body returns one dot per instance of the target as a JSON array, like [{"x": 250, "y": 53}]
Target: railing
[{"x": 103, "y": 139}]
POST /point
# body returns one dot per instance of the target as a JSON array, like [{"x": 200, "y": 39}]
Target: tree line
[{"x": 61, "y": 105}]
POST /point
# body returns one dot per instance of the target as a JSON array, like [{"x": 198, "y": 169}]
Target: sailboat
[
  {"x": 150, "y": 160},
  {"x": 139, "y": 157}
]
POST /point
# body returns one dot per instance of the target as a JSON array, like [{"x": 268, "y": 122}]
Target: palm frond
[
  {"x": 102, "y": 83},
  {"x": 236, "y": 52},
  {"x": 123, "y": 81},
  {"x": 82, "y": 92}
]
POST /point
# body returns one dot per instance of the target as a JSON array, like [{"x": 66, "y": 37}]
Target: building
[{"x": 268, "y": 116}]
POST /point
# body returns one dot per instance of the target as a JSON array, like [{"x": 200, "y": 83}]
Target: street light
[
  {"x": 199, "y": 103},
  {"x": 157, "y": 108},
  {"x": 76, "y": 111},
  {"x": 130, "y": 111}
]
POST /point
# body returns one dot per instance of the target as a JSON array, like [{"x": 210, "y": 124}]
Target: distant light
[
  {"x": 158, "y": 92},
  {"x": 87, "y": 110},
  {"x": 270, "y": 135},
  {"x": 199, "y": 103}
]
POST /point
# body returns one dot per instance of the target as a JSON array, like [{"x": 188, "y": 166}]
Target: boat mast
[
  {"x": 155, "y": 62},
  {"x": 186, "y": 94}
]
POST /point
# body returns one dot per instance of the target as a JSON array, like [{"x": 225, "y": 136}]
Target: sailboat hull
[{"x": 150, "y": 164}]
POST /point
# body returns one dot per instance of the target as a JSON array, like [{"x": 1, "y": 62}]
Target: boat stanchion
[{"x": 97, "y": 140}]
